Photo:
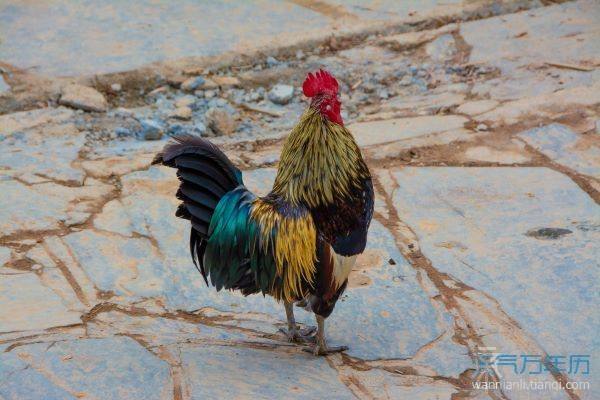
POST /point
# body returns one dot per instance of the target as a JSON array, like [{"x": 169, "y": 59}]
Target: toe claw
[
  {"x": 306, "y": 335},
  {"x": 324, "y": 351}
]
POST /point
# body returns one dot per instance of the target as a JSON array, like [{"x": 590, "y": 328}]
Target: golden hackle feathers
[{"x": 319, "y": 163}]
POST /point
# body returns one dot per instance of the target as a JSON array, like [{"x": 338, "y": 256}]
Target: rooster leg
[
  {"x": 321, "y": 348},
  {"x": 293, "y": 333}
]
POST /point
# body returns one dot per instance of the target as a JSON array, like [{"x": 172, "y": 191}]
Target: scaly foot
[
  {"x": 303, "y": 335},
  {"x": 325, "y": 350}
]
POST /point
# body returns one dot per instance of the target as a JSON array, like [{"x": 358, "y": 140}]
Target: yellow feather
[
  {"x": 320, "y": 161},
  {"x": 295, "y": 248}
]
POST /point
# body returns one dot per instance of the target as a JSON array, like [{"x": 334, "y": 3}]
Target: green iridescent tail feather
[{"x": 234, "y": 240}]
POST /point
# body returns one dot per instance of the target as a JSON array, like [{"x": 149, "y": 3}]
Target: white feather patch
[{"x": 342, "y": 266}]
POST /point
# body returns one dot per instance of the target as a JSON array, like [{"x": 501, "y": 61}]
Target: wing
[{"x": 356, "y": 240}]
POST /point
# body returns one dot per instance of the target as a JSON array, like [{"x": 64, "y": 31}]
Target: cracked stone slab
[
  {"x": 44, "y": 155},
  {"x": 20, "y": 121},
  {"x": 565, "y": 147},
  {"x": 20, "y": 204},
  {"x": 113, "y": 368},
  {"x": 384, "y": 314},
  {"x": 379, "y": 132},
  {"x": 520, "y": 44},
  {"x": 29, "y": 305},
  {"x": 86, "y": 39},
  {"x": 381, "y": 384},
  {"x": 209, "y": 373},
  {"x": 476, "y": 225}
]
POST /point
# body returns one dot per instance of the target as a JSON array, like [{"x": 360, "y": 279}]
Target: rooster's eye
[{"x": 328, "y": 107}]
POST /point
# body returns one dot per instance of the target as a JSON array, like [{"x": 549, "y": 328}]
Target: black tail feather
[{"x": 206, "y": 175}]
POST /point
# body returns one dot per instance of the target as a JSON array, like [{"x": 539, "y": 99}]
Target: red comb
[{"x": 318, "y": 83}]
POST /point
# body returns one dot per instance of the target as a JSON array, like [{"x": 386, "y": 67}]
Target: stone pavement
[{"x": 484, "y": 141}]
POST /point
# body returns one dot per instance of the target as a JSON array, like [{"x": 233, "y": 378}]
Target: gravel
[
  {"x": 191, "y": 84},
  {"x": 281, "y": 94},
  {"x": 151, "y": 129}
]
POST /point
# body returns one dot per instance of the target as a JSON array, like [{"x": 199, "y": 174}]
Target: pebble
[
  {"x": 299, "y": 55},
  {"x": 184, "y": 113},
  {"x": 209, "y": 94},
  {"x": 83, "y": 97},
  {"x": 158, "y": 91},
  {"x": 116, "y": 87},
  {"x": 406, "y": 80},
  {"x": 122, "y": 132},
  {"x": 226, "y": 81},
  {"x": 176, "y": 129},
  {"x": 209, "y": 84},
  {"x": 281, "y": 94},
  {"x": 151, "y": 129},
  {"x": 598, "y": 127},
  {"x": 193, "y": 83},
  {"x": 482, "y": 127},
  {"x": 272, "y": 61},
  {"x": 383, "y": 94},
  {"x": 200, "y": 128},
  {"x": 220, "y": 122},
  {"x": 186, "y": 101},
  {"x": 124, "y": 112}
]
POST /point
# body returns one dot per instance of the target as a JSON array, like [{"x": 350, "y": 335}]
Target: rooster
[{"x": 299, "y": 242}]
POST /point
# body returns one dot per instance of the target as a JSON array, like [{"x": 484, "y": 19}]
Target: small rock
[
  {"x": 272, "y": 61},
  {"x": 84, "y": 98},
  {"x": 481, "y": 127},
  {"x": 151, "y": 130},
  {"x": 209, "y": 84},
  {"x": 299, "y": 55},
  {"x": 200, "y": 128},
  {"x": 406, "y": 80},
  {"x": 122, "y": 132},
  {"x": 220, "y": 122},
  {"x": 176, "y": 129},
  {"x": 442, "y": 48},
  {"x": 116, "y": 87},
  {"x": 158, "y": 91},
  {"x": 548, "y": 233},
  {"x": 383, "y": 94},
  {"x": 226, "y": 81},
  {"x": 281, "y": 94},
  {"x": 209, "y": 94},
  {"x": 124, "y": 112},
  {"x": 3, "y": 85},
  {"x": 185, "y": 101},
  {"x": 598, "y": 127},
  {"x": 191, "y": 84},
  {"x": 184, "y": 113},
  {"x": 175, "y": 81}
]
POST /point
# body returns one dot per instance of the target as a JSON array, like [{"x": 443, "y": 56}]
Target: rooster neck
[{"x": 320, "y": 164}]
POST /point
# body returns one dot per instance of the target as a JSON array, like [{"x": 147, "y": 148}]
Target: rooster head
[{"x": 322, "y": 87}]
